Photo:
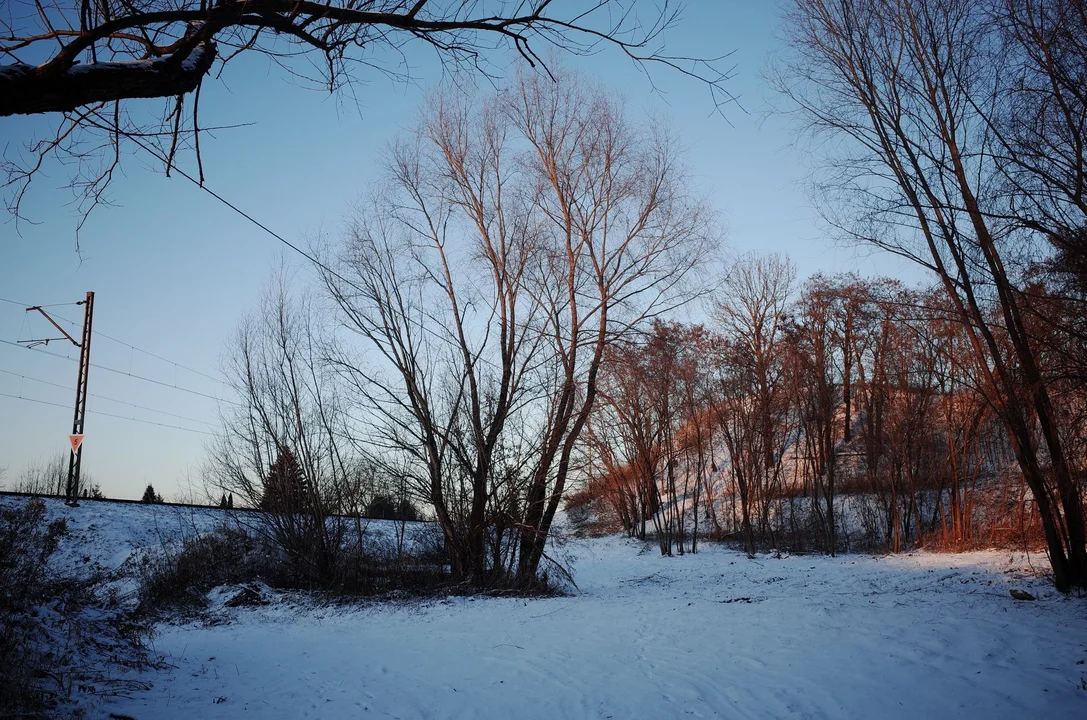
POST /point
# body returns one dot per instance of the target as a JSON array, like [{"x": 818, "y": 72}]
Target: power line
[
  {"x": 151, "y": 409},
  {"x": 172, "y": 386},
  {"x": 159, "y": 357},
  {"x": 200, "y": 184},
  {"x": 163, "y": 384},
  {"x": 224, "y": 201},
  {"x": 26, "y": 305},
  {"x": 106, "y": 414},
  {"x": 101, "y": 334},
  {"x": 104, "y": 397}
]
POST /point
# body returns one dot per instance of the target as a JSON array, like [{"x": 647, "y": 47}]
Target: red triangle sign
[{"x": 76, "y": 441}]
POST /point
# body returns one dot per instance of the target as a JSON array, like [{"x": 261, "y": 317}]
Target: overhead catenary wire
[
  {"x": 203, "y": 186},
  {"x": 99, "y": 333},
  {"x": 105, "y": 368},
  {"x": 107, "y": 398},
  {"x": 163, "y": 359},
  {"x": 106, "y": 414},
  {"x": 26, "y": 305},
  {"x": 237, "y": 210},
  {"x": 240, "y": 212}
]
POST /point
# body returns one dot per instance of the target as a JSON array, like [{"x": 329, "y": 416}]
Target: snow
[
  {"x": 192, "y": 61},
  {"x": 15, "y": 71},
  {"x": 109, "y": 535},
  {"x": 707, "y": 635}
]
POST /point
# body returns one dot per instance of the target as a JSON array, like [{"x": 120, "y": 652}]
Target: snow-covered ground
[{"x": 706, "y": 635}]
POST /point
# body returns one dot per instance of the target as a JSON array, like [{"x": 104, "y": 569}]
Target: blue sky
[{"x": 174, "y": 271}]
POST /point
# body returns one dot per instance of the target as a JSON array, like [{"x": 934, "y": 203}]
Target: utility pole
[{"x": 71, "y": 494}]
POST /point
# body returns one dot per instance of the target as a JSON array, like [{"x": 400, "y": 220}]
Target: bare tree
[
  {"x": 626, "y": 242},
  {"x": 751, "y": 312},
  {"x": 517, "y": 238},
  {"x": 815, "y": 383},
  {"x": 651, "y": 443},
  {"x": 455, "y": 349},
  {"x": 613, "y": 486},
  {"x": 282, "y": 446},
  {"x": 909, "y": 88},
  {"x": 628, "y": 438},
  {"x": 1037, "y": 127}
]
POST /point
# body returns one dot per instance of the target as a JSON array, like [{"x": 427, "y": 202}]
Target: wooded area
[
  {"x": 956, "y": 140},
  {"x": 511, "y": 271},
  {"x": 449, "y": 461},
  {"x": 502, "y": 322},
  {"x": 849, "y": 414}
]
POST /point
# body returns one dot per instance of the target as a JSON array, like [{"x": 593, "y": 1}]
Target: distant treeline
[
  {"x": 759, "y": 427},
  {"x": 9, "y": 493}
]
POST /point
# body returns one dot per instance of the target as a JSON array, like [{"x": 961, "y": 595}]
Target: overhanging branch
[{"x": 25, "y": 90}]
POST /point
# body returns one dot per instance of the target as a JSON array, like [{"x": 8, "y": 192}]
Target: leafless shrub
[
  {"x": 282, "y": 447},
  {"x": 178, "y": 577},
  {"x": 173, "y": 579},
  {"x": 57, "y": 633},
  {"x": 49, "y": 477}
]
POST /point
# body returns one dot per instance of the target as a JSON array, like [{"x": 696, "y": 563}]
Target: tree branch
[{"x": 25, "y": 91}]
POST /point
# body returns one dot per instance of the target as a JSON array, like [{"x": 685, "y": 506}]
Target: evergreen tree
[
  {"x": 222, "y": 503},
  {"x": 285, "y": 488},
  {"x": 382, "y": 507},
  {"x": 385, "y": 507},
  {"x": 230, "y": 501},
  {"x": 150, "y": 496}
]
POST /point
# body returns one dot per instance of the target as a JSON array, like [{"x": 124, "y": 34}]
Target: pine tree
[
  {"x": 150, "y": 496},
  {"x": 222, "y": 503},
  {"x": 285, "y": 488},
  {"x": 230, "y": 501}
]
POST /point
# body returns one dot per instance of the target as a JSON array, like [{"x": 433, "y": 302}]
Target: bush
[
  {"x": 57, "y": 633},
  {"x": 26, "y": 543},
  {"x": 179, "y": 578}
]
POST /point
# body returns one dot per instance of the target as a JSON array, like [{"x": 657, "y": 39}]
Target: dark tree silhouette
[
  {"x": 387, "y": 507},
  {"x": 87, "y": 59},
  {"x": 285, "y": 488}
]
